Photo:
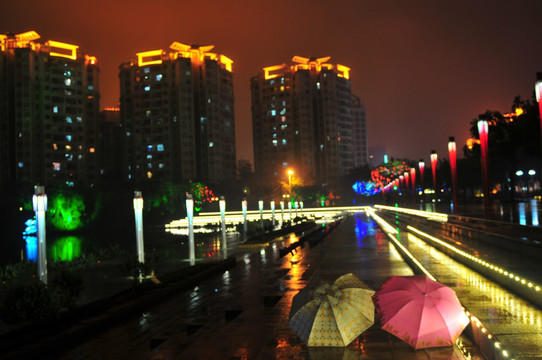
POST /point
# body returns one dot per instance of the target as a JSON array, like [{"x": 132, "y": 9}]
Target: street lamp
[
  {"x": 538, "y": 92},
  {"x": 453, "y": 167},
  {"x": 138, "y": 212},
  {"x": 190, "y": 216},
  {"x": 222, "y": 206},
  {"x": 421, "y": 165},
  {"x": 434, "y": 158},
  {"x": 39, "y": 201},
  {"x": 483, "y": 134},
  {"x": 273, "y": 213}
]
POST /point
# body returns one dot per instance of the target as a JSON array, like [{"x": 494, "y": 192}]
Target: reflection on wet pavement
[{"x": 243, "y": 313}]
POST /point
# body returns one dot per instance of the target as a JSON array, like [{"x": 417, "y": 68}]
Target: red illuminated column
[
  {"x": 434, "y": 158},
  {"x": 483, "y": 134},
  {"x": 421, "y": 165},
  {"x": 538, "y": 92},
  {"x": 407, "y": 179},
  {"x": 453, "y": 166},
  {"x": 413, "y": 178}
]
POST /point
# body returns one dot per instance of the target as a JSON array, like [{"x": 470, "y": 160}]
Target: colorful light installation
[
  {"x": 538, "y": 92},
  {"x": 365, "y": 188},
  {"x": 483, "y": 134},
  {"x": 222, "y": 206},
  {"x": 413, "y": 178},
  {"x": 421, "y": 166},
  {"x": 453, "y": 167},
  {"x": 31, "y": 240},
  {"x": 190, "y": 216},
  {"x": 66, "y": 248}
]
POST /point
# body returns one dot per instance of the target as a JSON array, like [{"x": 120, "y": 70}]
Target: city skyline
[{"x": 420, "y": 68}]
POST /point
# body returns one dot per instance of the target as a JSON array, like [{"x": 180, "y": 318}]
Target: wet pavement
[{"x": 243, "y": 312}]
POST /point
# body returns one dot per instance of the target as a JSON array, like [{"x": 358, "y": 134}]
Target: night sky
[{"x": 424, "y": 69}]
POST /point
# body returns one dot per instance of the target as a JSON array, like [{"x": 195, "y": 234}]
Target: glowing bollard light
[
  {"x": 138, "y": 212},
  {"x": 282, "y": 212},
  {"x": 39, "y": 201},
  {"x": 222, "y": 205},
  {"x": 190, "y": 216},
  {"x": 483, "y": 134},
  {"x": 244, "y": 207},
  {"x": 453, "y": 167},
  {"x": 260, "y": 206},
  {"x": 273, "y": 212}
]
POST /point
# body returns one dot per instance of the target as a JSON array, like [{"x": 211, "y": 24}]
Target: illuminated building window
[
  {"x": 79, "y": 119},
  {"x": 274, "y": 136},
  {"x": 20, "y": 135},
  {"x": 129, "y": 176},
  {"x": 159, "y": 77},
  {"x": 283, "y": 141},
  {"x": 127, "y": 133},
  {"x": 68, "y": 82},
  {"x": 56, "y": 166},
  {"x": 68, "y": 119},
  {"x": 284, "y": 164},
  {"x": 283, "y": 126},
  {"x": 68, "y": 137},
  {"x": 318, "y": 85},
  {"x": 55, "y": 147},
  {"x": 20, "y": 164},
  {"x": 55, "y": 109},
  {"x": 283, "y": 111},
  {"x": 79, "y": 157},
  {"x": 211, "y": 144},
  {"x": 271, "y": 82},
  {"x": 149, "y": 157},
  {"x": 70, "y": 183},
  {"x": 161, "y": 166},
  {"x": 91, "y": 150},
  {"x": 160, "y": 147},
  {"x": 146, "y": 70},
  {"x": 69, "y": 157},
  {"x": 282, "y": 80},
  {"x": 90, "y": 87},
  {"x": 273, "y": 112},
  {"x": 148, "y": 113},
  {"x": 283, "y": 118},
  {"x": 149, "y": 147},
  {"x": 149, "y": 165},
  {"x": 275, "y": 142},
  {"x": 68, "y": 147},
  {"x": 147, "y": 87}
]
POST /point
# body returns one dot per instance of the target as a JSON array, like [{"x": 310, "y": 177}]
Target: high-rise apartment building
[
  {"x": 110, "y": 145},
  {"x": 177, "y": 115},
  {"x": 49, "y": 103},
  {"x": 305, "y": 118}
]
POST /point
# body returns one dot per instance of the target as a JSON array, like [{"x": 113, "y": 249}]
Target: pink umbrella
[{"x": 420, "y": 311}]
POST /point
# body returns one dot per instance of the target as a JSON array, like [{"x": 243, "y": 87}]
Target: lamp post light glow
[
  {"x": 244, "y": 207},
  {"x": 222, "y": 205},
  {"x": 39, "y": 201},
  {"x": 273, "y": 213},
  {"x": 483, "y": 134},
  {"x": 453, "y": 167},
  {"x": 138, "y": 212},
  {"x": 190, "y": 216}
]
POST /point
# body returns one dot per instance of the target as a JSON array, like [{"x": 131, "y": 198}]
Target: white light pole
[
  {"x": 260, "y": 206},
  {"x": 39, "y": 200},
  {"x": 282, "y": 212},
  {"x": 222, "y": 204},
  {"x": 301, "y": 205},
  {"x": 190, "y": 216},
  {"x": 244, "y": 207},
  {"x": 273, "y": 213},
  {"x": 138, "y": 212},
  {"x": 290, "y": 209}
]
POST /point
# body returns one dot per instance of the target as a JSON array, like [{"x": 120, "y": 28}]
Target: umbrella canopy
[
  {"x": 333, "y": 314},
  {"x": 420, "y": 311}
]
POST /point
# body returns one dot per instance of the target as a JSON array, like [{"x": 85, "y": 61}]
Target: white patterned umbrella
[{"x": 336, "y": 313}]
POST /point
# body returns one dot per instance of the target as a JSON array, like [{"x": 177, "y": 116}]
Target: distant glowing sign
[
  {"x": 152, "y": 57},
  {"x": 64, "y": 50}
]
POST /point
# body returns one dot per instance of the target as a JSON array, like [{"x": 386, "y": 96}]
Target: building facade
[
  {"x": 49, "y": 104},
  {"x": 305, "y": 119},
  {"x": 177, "y": 116}
]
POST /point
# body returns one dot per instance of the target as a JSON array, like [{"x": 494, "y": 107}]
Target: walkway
[{"x": 243, "y": 314}]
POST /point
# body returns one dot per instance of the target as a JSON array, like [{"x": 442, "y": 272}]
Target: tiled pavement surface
[{"x": 243, "y": 313}]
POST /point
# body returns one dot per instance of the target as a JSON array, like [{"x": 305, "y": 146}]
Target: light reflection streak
[{"x": 519, "y": 308}]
